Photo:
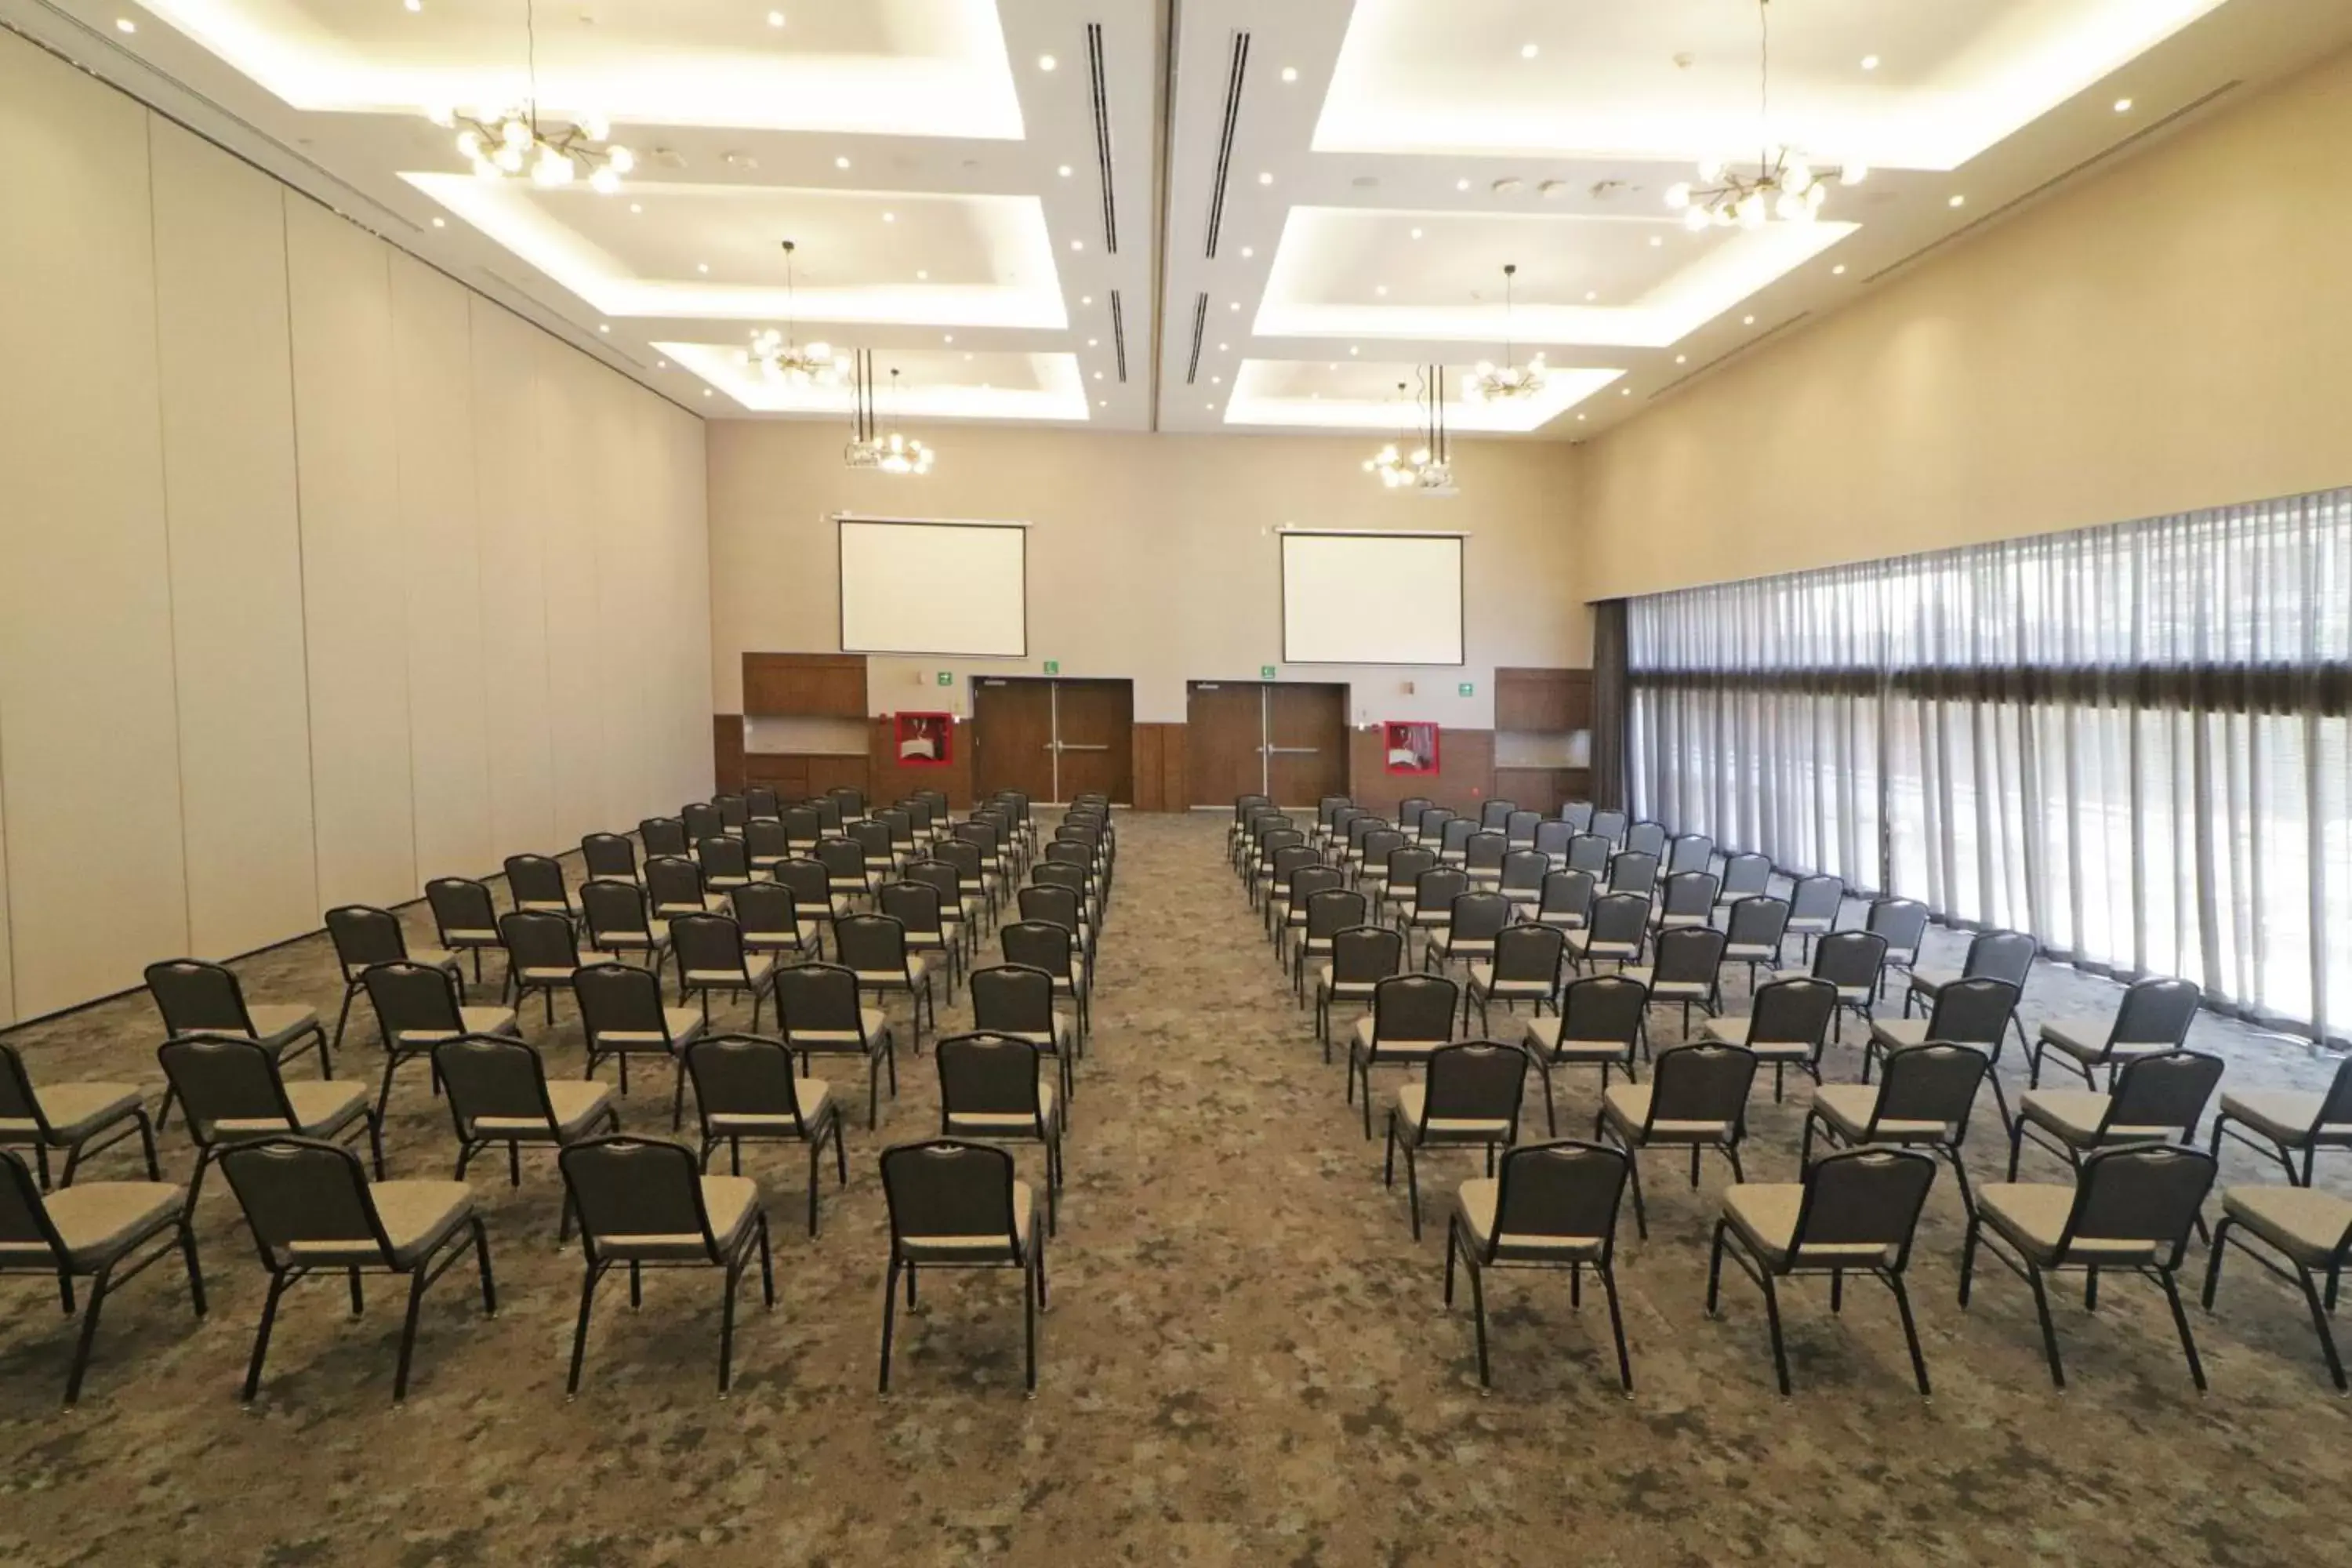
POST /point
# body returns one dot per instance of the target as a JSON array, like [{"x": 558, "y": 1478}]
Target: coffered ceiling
[{"x": 1182, "y": 215}]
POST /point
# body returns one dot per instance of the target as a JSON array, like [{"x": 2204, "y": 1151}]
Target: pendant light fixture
[
  {"x": 871, "y": 447},
  {"x": 1491, "y": 383},
  {"x": 1388, "y": 464},
  {"x": 782, "y": 359},
  {"x": 514, "y": 142},
  {"x": 1785, "y": 185}
]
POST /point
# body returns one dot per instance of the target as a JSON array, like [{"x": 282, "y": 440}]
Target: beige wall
[
  {"x": 289, "y": 527},
  {"x": 2175, "y": 333},
  {"x": 1152, "y": 557}
]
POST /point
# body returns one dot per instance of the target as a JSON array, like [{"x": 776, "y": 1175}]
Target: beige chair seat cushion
[
  {"x": 1468, "y": 947},
  {"x": 1927, "y": 981},
  {"x": 416, "y": 1216},
  {"x": 685, "y": 1026},
  {"x": 320, "y": 1106},
  {"x": 74, "y": 1110},
  {"x": 471, "y": 1021},
  {"x": 1412, "y": 1103},
  {"x": 916, "y": 968},
  {"x": 2307, "y": 1225},
  {"x": 803, "y": 935},
  {"x": 1004, "y": 1124},
  {"x": 729, "y": 1202},
  {"x": 433, "y": 957},
  {"x": 1342, "y": 990},
  {"x": 1671, "y": 990},
  {"x": 1734, "y": 1031},
  {"x": 1627, "y": 1105},
  {"x": 101, "y": 1221},
  {"x": 970, "y": 1248},
  {"x": 1892, "y": 1034},
  {"x": 548, "y": 974},
  {"x": 275, "y": 1023},
  {"x": 1853, "y": 994},
  {"x": 2073, "y": 1115},
  {"x": 2032, "y": 1215},
  {"x": 2085, "y": 1039},
  {"x": 1473, "y": 1207},
  {"x": 1481, "y": 977},
  {"x": 577, "y": 1103},
  {"x": 1582, "y": 940},
  {"x": 1396, "y": 1050},
  {"x": 757, "y": 971},
  {"x": 871, "y": 1024},
  {"x": 1765, "y": 1216},
  {"x": 655, "y": 934},
  {"x": 1847, "y": 1107},
  {"x": 2286, "y": 1116},
  {"x": 1664, "y": 921},
  {"x": 812, "y": 1095},
  {"x": 1543, "y": 1035},
  {"x": 467, "y": 936}
]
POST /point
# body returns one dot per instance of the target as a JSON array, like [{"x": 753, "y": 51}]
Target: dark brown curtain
[{"x": 1610, "y": 697}]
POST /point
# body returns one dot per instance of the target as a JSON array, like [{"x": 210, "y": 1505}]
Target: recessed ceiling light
[
  {"x": 1085, "y": 299},
  {"x": 1656, "y": 240},
  {"x": 125, "y": 24},
  {"x": 636, "y": 208},
  {"x": 775, "y": 19},
  {"x": 890, "y": 218},
  {"x": 1625, "y": 391},
  {"x": 1210, "y": 407},
  {"x": 1102, "y": 403},
  {"x": 1046, "y": 62},
  {"x": 1351, "y": 349},
  {"x": 1527, "y": 51},
  {"x": 967, "y": 358},
  {"x": 1290, "y": 73},
  {"x": 1870, "y": 62},
  {"x": 1077, "y": 245},
  {"x": 1221, "y": 348},
  {"x": 921, "y": 276},
  {"x": 1506, "y": 187},
  {"x": 947, "y": 337},
  {"x": 604, "y": 326},
  {"x": 703, "y": 266},
  {"x": 1839, "y": 270},
  {"x": 1248, "y": 252},
  {"x": 1682, "y": 359},
  {"x": 1216, "y": 381},
  {"x": 661, "y": 364},
  {"x": 413, "y": 5},
  {"x": 1958, "y": 202},
  {"x": 1235, "y": 306},
  {"x": 1097, "y": 375},
  {"x": 1065, "y": 171},
  {"x": 1580, "y": 416},
  {"x": 1265, "y": 178},
  {"x": 1381, "y": 289},
  {"x": 440, "y": 223},
  {"x": 1416, "y": 234},
  {"x": 1461, "y": 185},
  {"x": 1094, "y": 343},
  {"x": 1591, "y": 294},
  {"x": 706, "y": 392},
  {"x": 2123, "y": 106},
  {"x": 840, "y": 163},
  {"x": 1747, "y": 321}
]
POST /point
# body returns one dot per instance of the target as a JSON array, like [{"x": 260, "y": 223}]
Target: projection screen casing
[
  {"x": 1371, "y": 598},
  {"x": 930, "y": 587}
]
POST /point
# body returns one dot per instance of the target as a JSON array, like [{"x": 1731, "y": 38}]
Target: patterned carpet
[{"x": 1246, "y": 1360}]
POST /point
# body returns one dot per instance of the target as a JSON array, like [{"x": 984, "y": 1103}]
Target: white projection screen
[
  {"x": 1371, "y": 598},
  {"x": 893, "y": 573}
]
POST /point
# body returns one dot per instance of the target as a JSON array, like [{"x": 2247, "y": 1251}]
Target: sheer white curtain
[{"x": 2130, "y": 741}]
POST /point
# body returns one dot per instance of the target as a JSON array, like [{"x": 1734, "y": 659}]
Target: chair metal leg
[
  {"x": 1478, "y": 1316},
  {"x": 1412, "y": 1189},
  {"x": 1910, "y": 1332},
  {"x": 418, "y": 1277},
  {"x": 734, "y": 1272},
  {"x": 2180, "y": 1322},
  {"x": 889, "y": 1318},
  {"x": 89, "y": 1336},
  {"x": 2318, "y": 1321},
  {"x": 261, "y": 1339},
  {"x": 580, "y": 1330},
  {"x": 1029, "y": 1324},
  {"x": 1772, "y": 1317},
  {"x": 196, "y": 1269},
  {"x": 1453, "y": 1239},
  {"x": 2049, "y": 1331},
  {"x": 1617, "y": 1327},
  {"x": 1715, "y": 1269}
]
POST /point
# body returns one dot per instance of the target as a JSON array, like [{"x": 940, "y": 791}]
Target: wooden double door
[
  {"x": 1054, "y": 740},
  {"x": 1284, "y": 739}
]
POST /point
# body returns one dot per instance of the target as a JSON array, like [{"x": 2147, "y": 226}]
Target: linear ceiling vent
[
  {"x": 1200, "y": 330},
  {"x": 1119, "y": 333},
  {"x": 1236, "y": 71},
  {"x": 1101, "y": 91}
]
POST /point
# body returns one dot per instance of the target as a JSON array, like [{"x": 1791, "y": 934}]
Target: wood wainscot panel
[
  {"x": 1160, "y": 751},
  {"x": 1465, "y": 780},
  {"x": 805, "y": 685},
  {"x": 1542, "y": 789},
  {"x": 1543, "y": 702}
]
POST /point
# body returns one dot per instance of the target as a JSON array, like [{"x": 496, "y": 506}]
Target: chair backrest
[
  {"x": 1746, "y": 875},
  {"x": 1408, "y": 862},
  {"x": 1603, "y": 1007},
  {"x": 1527, "y": 953},
  {"x": 1332, "y": 910},
  {"x": 948, "y": 1190},
  {"x": 988, "y": 1074},
  {"x": 1484, "y": 851},
  {"x": 871, "y": 944},
  {"x": 2335, "y": 1106},
  {"x": 536, "y": 879},
  {"x": 608, "y": 855},
  {"x": 1690, "y": 852},
  {"x": 1999, "y": 955},
  {"x": 1589, "y": 853},
  {"x": 413, "y": 999},
  {"x": 1553, "y": 837},
  {"x": 743, "y": 1075},
  {"x": 1932, "y": 1082},
  {"x": 1608, "y": 823},
  {"x": 363, "y": 934},
  {"x": 1689, "y": 953},
  {"x": 1902, "y": 921},
  {"x": 1796, "y": 1011},
  {"x": 1523, "y": 874},
  {"x": 1494, "y": 813},
  {"x": 732, "y": 811},
  {"x": 1688, "y": 893},
  {"x": 18, "y": 1102},
  {"x": 872, "y": 837},
  {"x": 1972, "y": 1012},
  {"x": 802, "y": 824},
  {"x": 1379, "y": 844},
  {"x": 828, "y": 811},
  {"x": 675, "y": 883},
  {"x": 1816, "y": 897},
  {"x": 1362, "y": 822},
  {"x": 1861, "y": 1204},
  {"x": 26, "y": 1232},
  {"x": 1850, "y": 958},
  {"x": 1703, "y": 1082},
  {"x": 662, "y": 835},
  {"x": 766, "y": 910},
  {"x": 610, "y": 907},
  {"x": 942, "y": 879},
  {"x": 1553, "y": 1193},
  {"x": 708, "y": 944},
  {"x": 2141, "y": 1192},
  {"x": 1520, "y": 827},
  {"x": 1431, "y": 828},
  {"x": 1437, "y": 887},
  {"x": 1285, "y": 861},
  {"x": 620, "y": 999},
  {"x": 916, "y": 906},
  {"x": 1274, "y": 841},
  {"x": 966, "y": 857},
  {"x": 1363, "y": 954},
  {"x": 1041, "y": 901},
  {"x": 224, "y": 1078},
  {"x": 702, "y": 821},
  {"x": 1756, "y": 921},
  {"x": 1477, "y": 917},
  {"x": 1244, "y": 803},
  {"x": 1409, "y": 809},
  {"x": 1309, "y": 881},
  {"x": 764, "y": 839},
  {"x": 1617, "y": 919},
  {"x": 1476, "y": 1080},
  {"x": 1041, "y": 944},
  {"x": 1455, "y": 838},
  {"x": 460, "y": 903},
  {"x": 1647, "y": 839},
  {"x": 638, "y": 1188},
  {"x": 1414, "y": 1008},
  {"x": 1633, "y": 871},
  {"x": 818, "y": 999},
  {"x": 761, "y": 803},
  {"x": 811, "y": 884},
  {"x": 1577, "y": 814},
  {"x": 2168, "y": 1090},
  {"x": 2156, "y": 1012},
  {"x": 1012, "y": 998},
  {"x": 1079, "y": 879},
  {"x": 843, "y": 859},
  {"x": 304, "y": 1196},
  {"x": 492, "y": 1076},
  {"x": 900, "y": 824},
  {"x": 1566, "y": 893},
  {"x": 538, "y": 939},
  {"x": 196, "y": 996}
]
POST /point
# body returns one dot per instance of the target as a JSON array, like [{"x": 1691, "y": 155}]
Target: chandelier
[
  {"x": 1428, "y": 469},
  {"x": 507, "y": 143},
  {"x": 1491, "y": 383},
  {"x": 781, "y": 359},
  {"x": 870, "y": 446},
  {"x": 1785, "y": 185}
]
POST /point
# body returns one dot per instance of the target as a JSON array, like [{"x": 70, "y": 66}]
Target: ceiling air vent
[
  {"x": 1101, "y": 93},
  {"x": 1236, "y": 71}
]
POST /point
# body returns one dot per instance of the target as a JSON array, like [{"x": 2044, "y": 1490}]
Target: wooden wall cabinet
[
  {"x": 805, "y": 685},
  {"x": 1543, "y": 702}
]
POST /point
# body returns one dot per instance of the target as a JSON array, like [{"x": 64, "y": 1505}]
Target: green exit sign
[
  {"x": 1465, "y": 689},
  {"x": 1053, "y": 666},
  {"x": 1265, "y": 672},
  {"x": 946, "y": 678}
]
